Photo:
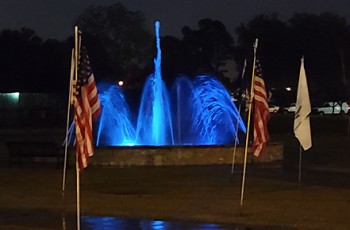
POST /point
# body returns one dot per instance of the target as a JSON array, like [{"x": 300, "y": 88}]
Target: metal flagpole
[
  {"x": 302, "y": 130},
  {"x": 239, "y": 112},
  {"x": 300, "y": 157},
  {"x": 67, "y": 125},
  {"x": 248, "y": 122},
  {"x": 76, "y": 49},
  {"x": 349, "y": 124}
]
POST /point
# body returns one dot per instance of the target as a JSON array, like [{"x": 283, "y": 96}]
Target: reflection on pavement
[{"x": 112, "y": 223}]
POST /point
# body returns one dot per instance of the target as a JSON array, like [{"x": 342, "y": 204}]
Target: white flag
[{"x": 302, "y": 130}]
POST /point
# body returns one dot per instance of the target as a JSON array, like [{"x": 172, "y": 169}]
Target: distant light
[
  {"x": 120, "y": 83},
  {"x": 14, "y": 97},
  {"x": 11, "y": 98},
  {"x": 288, "y": 88}
]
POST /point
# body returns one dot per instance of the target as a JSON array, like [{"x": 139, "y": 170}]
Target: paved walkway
[{"x": 31, "y": 196}]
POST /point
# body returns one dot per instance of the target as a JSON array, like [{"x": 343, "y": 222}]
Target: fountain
[{"x": 198, "y": 112}]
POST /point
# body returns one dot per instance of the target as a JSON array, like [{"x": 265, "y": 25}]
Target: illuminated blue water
[
  {"x": 198, "y": 112},
  {"x": 154, "y": 125},
  {"x": 113, "y": 223},
  {"x": 115, "y": 127},
  {"x": 214, "y": 117}
]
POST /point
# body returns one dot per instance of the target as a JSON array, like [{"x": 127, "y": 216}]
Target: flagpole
[
  {"x": 302, "y": 130},
  {"x": 349, "y": 124},
  {"x": 239, "y": 112},
  {"x": 248, "y": 123},
  {"x": 76, "y": 49},
  {"x": 67, "y": 124},
  {"x": 300, "y": 157}
]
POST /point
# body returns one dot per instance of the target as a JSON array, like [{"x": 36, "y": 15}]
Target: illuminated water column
[{"x": 154, "y": 120}]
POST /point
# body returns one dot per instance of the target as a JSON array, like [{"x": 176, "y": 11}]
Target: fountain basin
[{"x": 181, "y": 155}]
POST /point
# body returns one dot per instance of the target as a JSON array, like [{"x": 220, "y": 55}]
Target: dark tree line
[
  {"x": 117, "y": 41},
  {"x": 120, "y": 48},
  {"x": 322, "y": 39},
  {"x": 201, "y": 51},
  {"x": 28, "y": 64}
]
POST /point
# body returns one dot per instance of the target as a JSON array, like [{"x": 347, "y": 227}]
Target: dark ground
[{"x": 31, "y": 195}]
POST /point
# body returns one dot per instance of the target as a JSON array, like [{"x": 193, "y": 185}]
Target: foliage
[
  {"x": 28, "y": 64},
  {"x": 120, "y": 48},
  {"x": 201, "y": 51},
  {"x": 117, "y": 40},
  {"x": 210, "y": 45},
  {"x": 322, "y": 39}
]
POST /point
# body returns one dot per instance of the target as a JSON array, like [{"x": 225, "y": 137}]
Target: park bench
[{"x": 34, "y": 149}]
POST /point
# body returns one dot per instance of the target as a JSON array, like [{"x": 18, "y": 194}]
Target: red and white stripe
[
  {"x": 261, "y": 115},
  {"x": 87, "y": 107}
]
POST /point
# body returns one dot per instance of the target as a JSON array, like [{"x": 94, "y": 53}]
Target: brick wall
[{"x": 166, "y": 156}]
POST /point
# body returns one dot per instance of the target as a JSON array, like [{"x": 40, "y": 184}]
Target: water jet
[{"x": 193, "y": 112}]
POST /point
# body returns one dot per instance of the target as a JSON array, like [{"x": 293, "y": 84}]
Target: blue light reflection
[{"x": 112, "y": 223}]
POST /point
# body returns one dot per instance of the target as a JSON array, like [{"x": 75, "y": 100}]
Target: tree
[
  {"x": 55, "y": 64},
  {"x": 27, "y": 64},
  {"x": 116, "y": 39},
  {"x": 175, "y": 59},
  {"x": 208, "y": 46},
  {"x": 273, "y": 48},
  {"x": 18, "y": 58},
  {"x": 321, "y": 39}
]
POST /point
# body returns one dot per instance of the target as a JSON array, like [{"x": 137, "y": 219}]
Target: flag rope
[
  {"x": 67, "y": 125},
  {"x": 248, "y": 124},
  {"x": 239, "y": 112}
]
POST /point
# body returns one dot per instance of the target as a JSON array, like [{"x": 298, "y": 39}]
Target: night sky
[{"x": 55, "y": 19}]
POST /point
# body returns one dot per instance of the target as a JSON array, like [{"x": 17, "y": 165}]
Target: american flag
[
  {"x": 86, "y": 108},
  {"x": 261, "y": 112}
]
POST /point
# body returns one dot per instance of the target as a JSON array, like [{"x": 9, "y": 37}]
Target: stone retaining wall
[
  {"x": 189, "y": 155},
  {"x": 144, "y": 156}
]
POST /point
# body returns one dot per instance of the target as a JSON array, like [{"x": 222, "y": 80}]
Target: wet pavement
[
  {"x": 199, "y": 197},
  {"x": 196, "y": 197},
  {"x": 43, "y": 219},
  {"x": 112, "y": 223}
]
